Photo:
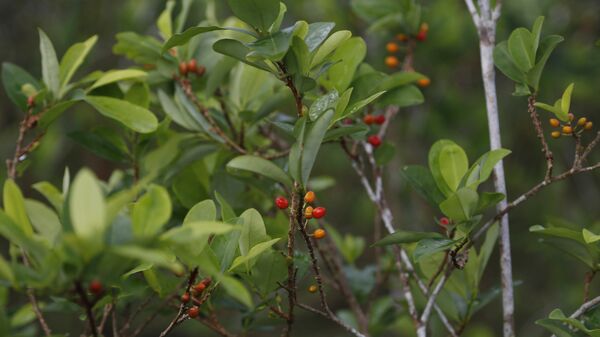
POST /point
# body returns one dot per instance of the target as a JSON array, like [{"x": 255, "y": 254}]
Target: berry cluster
[
  {"x": 308, "y": 211},
  {"x": 369, "y": 119},
  {"x": 570, "y": 128},
  {"x": 196, "y": 297},
  {"x": 191, "y": 67},
  {"x": 392, "y": 47}
]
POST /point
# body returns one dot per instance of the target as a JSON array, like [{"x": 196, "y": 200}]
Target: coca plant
[{"x": 219, "y": 126}]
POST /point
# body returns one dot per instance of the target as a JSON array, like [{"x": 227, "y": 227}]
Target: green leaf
[
  {"x": 183, "y": 38},
  {"x": 253, "y": 230},
  {"x": 520, "y": 47},
  {"x": 384, "y": 153},
  {"x": 435, "y": 165},
  {"x": 402, "y": 237},
  {"x": 50, "y": 67},
  {"x": 44, "y": 220},
  {"x": 454, "y": 164},
  {"x": 269, "y": 269},
  {"x": 87, "y": 206},
  {"x": 358, "y": 131},
  {"x": 273, "y": 46},
  {"x": 545, "y": 49},
  {"x": 558, "y": 232},
  {"x": 317, "y": 33},
  {"x": 164, "y": 22},
  {"x": 422, "y": 181},
  {"x": 403, "y": 96},
  {"x": 536, "y": 32},
  {"x": 151, "y": 212},
  {"x": 178, "y": 115},
  {"x": 238, "y": 51},
  {"x": 236, "y": 289},
  {"x": 142, "y": 49},
  {"x": 203, "y": 211},
  {"x": 427, "y": 247},
  {"x": 357, "y": 106},
  {"x": 156, "y": 257},
  {"x": 554, "y": 109},
  {"x": 565, "y": 103},
  {"x": 14, "y": 206},
  {"x": 54, "y": 112},
  {"x": 312, "y": 143},
  {"x": 103, "y": 142},
  {"x": 487, "y": 248},
  {"x": 322, "y": 104},
  {"x": 6, "y": 272},
  {"x": 331, "y": 44},
  {"x": 482, "y": 169},
  {"x": 589, "y": 237},
  {"x": 399, "y": 79},
  {"x": 252, "y": 254},
  {"x": 13, "y": 80},
  {"x": 72, "y": 60},
  {"x": 51, "y": 193},
  {"x": 133, "y": 116},
  {"x": 347, "y": 57},
  {"x": 504, "y": 61},
  {"x": 259, "y": 166},
  {"x": 259, "y": 14},
  {"x": 461, "y": 205},
  {"x": 116, "y": 76},
  {"x": 13, "y": 233},
  {"x": 227, "y": 212},
  {"x": 196, "y": 232}
]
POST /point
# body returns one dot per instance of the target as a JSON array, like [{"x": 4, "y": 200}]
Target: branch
[
  {"x": 294, "y": 221},
  {"x": 332, "y": 318},
  {"x": 584, "y": 307},
  {"x": 178, "y": 318},
  {"x": 87, "y": 305},
  {"x": 540, "y": 134}
]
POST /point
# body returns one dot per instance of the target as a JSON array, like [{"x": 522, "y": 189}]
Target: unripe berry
[
  {"x": 319, "y": 212},
  {"x": 555, "y": 134},
  {"x": 392, "y": 62},
  {"x": 374, "y": 140},
  {"x": 379, "y": 119},
  {"x": 308, "y": 212},
  {"x": 183, "y": 68},
  {"x": 96, "y": 287},
  {"x": 554, "y": 122},
  {"x": 309, "y": 197},
  {"x": 567, "y": 130},
  {"x": 200, "y": 287},
  {"x": 185, "y": 297},
  {"x": 402, "y": 37},
  {"x": 421, "y": 35},
  {"x": 582, "y": 121},
  {"x": 423, "y": 82},
  {"x": 31, "y": 101},
  {"x": 444, "y": 221},
  {"x": 281, "y": 202},
  {"x": 392, "y": 47},
  {"x": 319, "y": 233},
  {"x": 588, "y": 125},
  {"x": 313, "y": 289},
  {"x": 193, "y": 312},
  {"x": 192, "y": 66},
  {"x": 369, "y": 119}
]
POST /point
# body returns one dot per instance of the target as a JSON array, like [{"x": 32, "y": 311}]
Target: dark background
[{"x": 454, "y": 109}]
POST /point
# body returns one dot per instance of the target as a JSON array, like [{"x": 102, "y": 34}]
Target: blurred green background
[{"x": 454, "y": 109}]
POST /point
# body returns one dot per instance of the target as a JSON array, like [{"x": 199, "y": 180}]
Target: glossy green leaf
[
  {"x": 51, "y": 193},
  {"x": 520, "y": 47},
  {"x": 317, "y": 33},
  {"x": 273, "y": 46},
  {"x": 203, "y": 211},
  {"x": 165, "y": 22},
  {"x": 357, "y": 106},
  {"x": 253, "y": 253},
  {"x": 72, "y": 60},
  {"x": 435, "y": 165},
  {"x": 118, "y": 75},
  {"x": 253, "y": 230},
  {"x": 403, "y": 96},
  {"x": 133, "y": 116},
  {"x": 347, "y": 57},
  {"x": 422, "y": 181},
  {"x": 545, "y": 49},
  {"x": 155, "y": 256},
  {"x": 13, "y": 80},
  {"x": 589, "y": 237},
  {"x": 487, "y": 200},
  {"x": 428, "y": 247},
  {"x": 322, "y": 104},
  {"x": 259, "y": 14},
  {"x": 312, "y": 143},
  {"x": 331, "y": 44},
  {"x": 358, "y": 131},
  {"x": 151, "y": 212},
  {"x": 454, "y": 164},
  {"x": 482, "y": 169},
  {"x": 504, "y": 61},
  {"x": 54, "y": 113},
  {"x": 461, "y": 205},
  {"x": 44, "y": 220},
  {"x": 87, "y": 206},
  {"x": 183, "y": 38},
  {"x": 237, "y": 290},
  {"x": 259, "y": 166},
  {"x": 14, "y": 206},
  {"x": 565, "y": 103},
  {"x": 269, "y": 269},
  {"x": 384, "y": 153},
  {"x": 6, "y": 273},
  {"x": 559, "y": 232},
  {"x": 103, "y": 142},
  {"x": 238, "y": 51},
  {"x": 142, "y": 49},
  {"x": 536, "y": 32},
  {"x": 50, "y": 67}
]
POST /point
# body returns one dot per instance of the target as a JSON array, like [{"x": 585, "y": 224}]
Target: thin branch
[
  {"x": 589, "y": 276},
  {"x": 540, "y": 134},
  {"x": 87, "y": 305},
  {"x": 294, "y": 222},
  {"x": 180, "y": 313},
  {"x": 584, "y": 308}
]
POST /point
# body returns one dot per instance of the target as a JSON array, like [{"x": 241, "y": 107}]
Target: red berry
[
  {"x": 200, "y": 287},
  {"x": 193, "y": 312},
  {"x": 319, "y": 212},
  {"x": 444, "y": 221},
  {"x": 207, "y": 281},
  {"x": 192, "y": 66},
  {"x": 374, "y": 140},
  {"x": 421, "y": 35},
  {"x": 369, "y": 119},
  {"x": 183, "y": 68},
  {"x": 96, "y": 287},
  {"x": 379, "y": 119},
  {"x": 185, "y": 297},
  {"x": 31, "y": 101},
  {"x": 281, "y": 202}
]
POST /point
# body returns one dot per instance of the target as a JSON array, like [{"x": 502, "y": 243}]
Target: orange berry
[
  {"x": 423, "y": 82},
  {"x": 424, "y": 27},
  {"x": 193, "y": 312},
  {"x": 313, "y": 289},
  {"x": 185, "y": 297},
  {"x": 588, "y": 125},
  {"x": 309, "y": 197},
  {"x": 319, "y": 233},
  {"x": 582, "y": 121},
  {"x": 392, "y": 62},
  {"x": 192, "y": 66},
  {"x": 183, "y": 68},
  {"x": 369, "y": 119},
  {"x": 402, "y": 37},
  {"x": 555, "y": 134},
  {"x": 567, "y": 130},
  {"x": 207, "y": 281},
  {"x": 554, "y": 122},
  {"x": 200, "y": 287},
  {"x": 392, "y": 47},
  {"x": 308, "y": 212}
]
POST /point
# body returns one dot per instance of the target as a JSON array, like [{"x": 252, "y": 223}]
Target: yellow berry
[
  {"x": 582, "y": 121},
  {"x": 424, "y": 27},
  {"x": 567, "y": 130},
  {"x": 555, "y": 134},
  {"x": 308, "y": 212},
  {"x": 313, "y": 289},
  {"x": 309, "y": 197},
  {"x": 554, "y": 122},
  {"x": 588, "y": 125}
]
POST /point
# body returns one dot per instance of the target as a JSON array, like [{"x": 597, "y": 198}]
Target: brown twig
[
  {"x": 294, "y": 222},
  {"x": 289, "y": 82},
  {"x": 589, "y": 276},
  {"x": 180, "y": 313},
  {"x": 535, "y": 118},
  {"x": 88, "y": 306}
]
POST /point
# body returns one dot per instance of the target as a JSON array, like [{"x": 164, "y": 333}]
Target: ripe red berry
[
  {"x": 96, "y": 287},
  {"x": 421, "y": 35},
  {"x": 200, "y": 287},
  {"x": 193, "y": 312},
  {"x": 319, "y": 212},
  {"x": 183, "y": 68},
  {"x": 444, "y": 221},
  {"x": 192, "y": 66},
  {"x": 281, "y": 202},
  {"x": 374, "y": 140},
  {"x": 369, "y": 119},
  {"x": 380, "y": 119},
  {"x": 185, "y": 297}
]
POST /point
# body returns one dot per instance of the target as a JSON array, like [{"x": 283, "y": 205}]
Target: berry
[
  {"x": 192, "y": 66},
  {"x": 308, "y": 212},
  {"x": 444, "y": 221},
  {"x": 96, "y": 287},
  {"x": 555, "y": 134},
  {"x": 423, "y": 82},
  {"x": 193, "y": 312},
  {"x": 392, "y": 62},
  {"x": 281, "y": 202},
  {"x": 567, "y": 130},
  {"x": 200, "y": 287},
  {"x": 31, "y": 101},
  {"x": 392, "y": 47},
  {"x": 424, "y": 27},
  {"x": 571, "y": 116},
  {"x": 185, "y": 297},
  {"x": 183, "y": 68},
  {"x": 313, "y": 289},
  {"x": 369, "y": 119},
  {"x": 402, "y": 37},
  {"x": 588, "y": 125},
  {"x": 201, "y": 70},
  {"x": 207, "y": 281},
  {"x": 379, "y": 119},
  {"x": 309, "y": 197},
  {"x": 421, "y": 35},
  {"x": 582, "y": 121},
  {"x": 348, "y": 121},
  {"x": 319, "y": 233},
  {"x": 319, "y": 212},
  {"x": 374, "y": 140},
  {"x": 554, "y": 122}
]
